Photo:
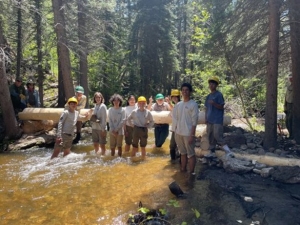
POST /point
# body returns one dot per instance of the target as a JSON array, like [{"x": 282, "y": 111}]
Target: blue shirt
[{"x": 213, "y": 114}]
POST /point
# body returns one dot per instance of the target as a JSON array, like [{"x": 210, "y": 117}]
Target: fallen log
[{"x": 54, "y": 114}]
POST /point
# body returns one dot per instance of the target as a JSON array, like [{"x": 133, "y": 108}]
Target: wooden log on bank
[{"x": 54, "y": 114}]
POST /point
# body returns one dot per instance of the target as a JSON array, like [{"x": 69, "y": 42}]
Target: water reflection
[{"x": 82, "y": 188}]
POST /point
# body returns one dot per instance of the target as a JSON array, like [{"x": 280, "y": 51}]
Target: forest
[{"x": 145, "y": 47}]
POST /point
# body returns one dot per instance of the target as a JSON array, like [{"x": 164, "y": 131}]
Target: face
[
  {"x": 116, "y": 102},
  {"x": 131, "y": 101},
  {"x": 97, "y": 99},
  {"x": 160, "y": 101},
  {"x": 79, "y": 95},
  {"x": 185, "y": 91},
  {"x": 142, "y": 104},
  {"x": 212, "y": 86},
  {"x": 30, "y": 86},
  {"x": 72, "y": 105},
  {"x": 174, "y": 99},
  {"x": 18, "y": 83}
]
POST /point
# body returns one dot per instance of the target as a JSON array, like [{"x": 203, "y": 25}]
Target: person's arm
[
  {"x": 129, "y": 118},
  {"x": 60, "y": 124},
  {"x": 195, "y": 113},
  {"x": 149, "y": 106},
  {"x": 82, "y": 103},
  {"x": 174, "y": 118},
  {"x": 110, "y": 120},
  {"x": 150, "y": 120},
  {"x": 103, "y": 117},
  {"x": 123, "y": 119}
]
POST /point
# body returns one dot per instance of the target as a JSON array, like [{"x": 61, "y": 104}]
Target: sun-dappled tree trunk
[
  {"x": 62, "y": 48},
  {"x": 294, "y": 8},
  {"x": 12, "y": 129},
  {"x": 38, "y": 20},
  {"x": 83, "y": 45},
  {"x": 61, "y": 93},
  {"x": 270, "y": 138},
  {"x": 19, "y": 38}
]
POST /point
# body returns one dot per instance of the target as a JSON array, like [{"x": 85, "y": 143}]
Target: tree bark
[
  {"x": 61, "y": 94},
  {"x": 294, "y": 9},
  {"x": 62, "y": 48},
  {"x": 19, "y": 38},
  {"x": 12, "y": 129},
  {"x": 38, "y": 20},
  {"x": 83, "y": 45},
  {"x": 270, "y": 138}
]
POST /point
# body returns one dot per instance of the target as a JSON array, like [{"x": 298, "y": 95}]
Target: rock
[
  {"x": 286, "y": 174},
  {"x": 204, "y": 142},
  {"x": 257, "y": 171},
  {"x": 252, "y": 151},
  {"x": 234, "y": 165},
  {"x": 278, "y": 151},
  {"x": 265, "y": 172},
  {"x": 235, "y": 140},
  {"x": 248, "y": 199},
  {"x": 251, "y": 145},
  {"x": 271, "y": 149},
  {"x": 244, "y": 147},
  {"x": 261, "y": 151},
  {"x": 33, "y": 126},
  {"x": 260, "y": 166},
  {"x": 271, "y": 154}
]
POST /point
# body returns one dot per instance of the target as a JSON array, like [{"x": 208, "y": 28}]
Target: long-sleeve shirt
[
  {"x": 81, "y": 104},
  {"x": 32, "y": 97},
  {"x": 67, "y": 122},
  {"x": 185, "y": 116},
  {"x": 116, "y": 120},
  {"x": 101, "y": 113},
  {"x": 141, "y": 118}
]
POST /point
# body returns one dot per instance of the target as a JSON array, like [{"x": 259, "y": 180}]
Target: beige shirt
[
  {"x": 164, "y": 107},
  {"x": 101, "y": 112},
  {"x": 141, "y": 118},
  {"x": 67, "y": 122},
  {"x": 81, "y": 104},
  {"x": 289, "y": 94}
]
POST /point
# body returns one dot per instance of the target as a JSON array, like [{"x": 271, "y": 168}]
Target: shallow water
[{"x": 82, "y": 188}]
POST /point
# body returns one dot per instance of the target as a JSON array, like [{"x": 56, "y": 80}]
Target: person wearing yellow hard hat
[
  {"x": 175, "y": 98},
  {"x": 141, "y": 119},
  {"x": 184, "y": 122},
  {"x": 65, "y": 129},
  {"x": 161, "y": 131},
  {"x": 81, "y": 98},
  {"x": 214, "y": 114}
]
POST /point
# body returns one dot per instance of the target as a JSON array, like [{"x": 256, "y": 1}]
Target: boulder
[
  {"x": 265, "y": 172},
  {"x": 234, "y": 165},
  {"x": 286, "y": 174},
  {"x": 33, "y": 126},
  {"x": 251, "y": 145},
  {"x": 235, "y": 140}
]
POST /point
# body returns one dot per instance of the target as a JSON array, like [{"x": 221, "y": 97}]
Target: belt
[
  {"x": 68, "y": 134},
  {"x": 160, "y": 124},
  {"x": 140, "y": 127}
]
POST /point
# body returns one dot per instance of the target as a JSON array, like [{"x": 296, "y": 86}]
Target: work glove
[
  {"x": 28, "y": 105},
  {"x": 23, "y": 97}
]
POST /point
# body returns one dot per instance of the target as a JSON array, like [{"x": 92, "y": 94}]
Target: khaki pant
[
  {"x": 66, "y": 142},
  {"x": 215, "y": 135},
  {"x": 115, "y": 141},
  {"x": 129, "y": 136},
  {"x": 140, "y": 134},
  {"x": 97, "y": 138},
  {"x": 184, "y": 147}
]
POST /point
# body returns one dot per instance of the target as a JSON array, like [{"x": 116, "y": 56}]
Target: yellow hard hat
[
  {"x": 72, "y": 100},
  {"x": 175, "y": 92},
  {"x": 142, "y": 99},
  {"x": 214, "y": 78}
]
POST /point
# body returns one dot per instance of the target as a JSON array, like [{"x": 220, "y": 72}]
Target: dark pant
[
  {"x": 161, "y": 132},
  {"x": 173, "y": 146},
  {"x": 289, "y": 118}
]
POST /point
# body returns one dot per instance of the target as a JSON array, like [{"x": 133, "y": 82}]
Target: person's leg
[
  {"x": 78, "y": 132},
  {"x": 173, "y": 147},
  {"x": 192, "y": 164},
  {"x": 56, "y": 150},
  {"x": 135, "y": 141},
  {"x": 156, "y": 135},
  {"x": 67, "y": 151},
  {"x": 102, "y": 146},
  {"x": 113, "y": 143},
  {"x": 181, "y": 147},
  {"x": 96, "y": 139},
  {"x": 96, "y": 146},
  {"x": 218, "y": 135},
  {"x": 102, "y": 141},
  {"x": 183, "y": 164},
  {"x": 143, "y": 150},
  {"x": 164, "y": 132},
  {"x": 190, "y": 148},
  {"x": 128, "y": 138},
  {"x": 119, "y": 144},
  {"x": 210, "y": 136},
  {"x": 143, "y": 141}
]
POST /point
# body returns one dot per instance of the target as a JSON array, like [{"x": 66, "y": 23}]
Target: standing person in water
[
  {"x": 128, "y": 130},
  {"x": 175, "y": 98},
  {"x": 161, "y": 131},
  {"x": 65, "y": 130},
  {"x": 214, "y": 114},
  {"x": 184, "y": 120},
  {"x": 81, "y": 99},
  {"x": 116, "y": 119},
  {"x": 99, "y": 125},
  {"x": 32, "y": 95},
  {"x": 141, "y": 119}
]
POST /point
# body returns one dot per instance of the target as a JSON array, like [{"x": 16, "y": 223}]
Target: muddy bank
[{"x": 220, "y": 198}]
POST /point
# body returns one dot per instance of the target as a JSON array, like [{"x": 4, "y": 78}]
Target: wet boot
[{"x": 77, "y": 138}]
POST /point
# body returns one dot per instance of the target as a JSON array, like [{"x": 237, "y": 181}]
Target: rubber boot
[{"x": 77, "y": 138}]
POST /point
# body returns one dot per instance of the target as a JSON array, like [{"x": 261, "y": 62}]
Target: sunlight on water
[{"x": 82, "y": 188}]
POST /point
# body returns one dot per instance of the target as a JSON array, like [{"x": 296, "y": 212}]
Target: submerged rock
[
  {"x": 234, "y": 165},
  {"x": 286, "y": 174}
]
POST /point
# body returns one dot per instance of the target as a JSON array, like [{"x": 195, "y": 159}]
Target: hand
[
  {"x": 58, "y": 140},
  {"x": 115, "y": 133},
  {"x": 28, "y": 105},
  {"x": 150, "y": 100},
  {"x": 167, "y": 99},
  {"x": 103, "y": 133},
  {"x": 191, "y": 139},
  {"x": 23, "y": 97},
  {"x": 97, "y": 121},
  {"x": 126, "y": 133}
]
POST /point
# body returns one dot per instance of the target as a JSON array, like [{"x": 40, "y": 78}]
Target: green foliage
[
  {"x": 143, "y": 210},
  {"x": 197, "y": 214},
  {"x": 173, "y": 203}
]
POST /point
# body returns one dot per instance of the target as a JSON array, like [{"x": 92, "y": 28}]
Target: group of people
[
  {"x": 23, "y": 98},
  {"x": 134, "y": 120}
]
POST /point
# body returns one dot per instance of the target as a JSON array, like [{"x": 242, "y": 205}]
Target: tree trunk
[
  {"x": 62, "y": 49},
  {"x": 61, "y": 94},
  {"x": 270, "y": 138},
  {"x": 294, "y": 9},
  {"x": 19, "y": 38},
  {"x": 38, "y": 21},
  {"x": 83, "y": 45},
  {"x": 12, "y": 129}
]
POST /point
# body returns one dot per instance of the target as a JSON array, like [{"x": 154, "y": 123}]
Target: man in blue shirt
[{"x": 214, "y": 115}]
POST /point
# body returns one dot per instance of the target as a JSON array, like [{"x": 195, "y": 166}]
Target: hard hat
[
  {"x": 142, "y": 99},
  {"x": 19, "y": 79},
  {"x": 159, "y": 96},
  {"x": 79, "y": 89},
  {"x": 30, "y": 81},
  {"x": 215, "y": 79},
  {"x": 72, "y": 100},
  {"x": 175, "y": 92}
]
